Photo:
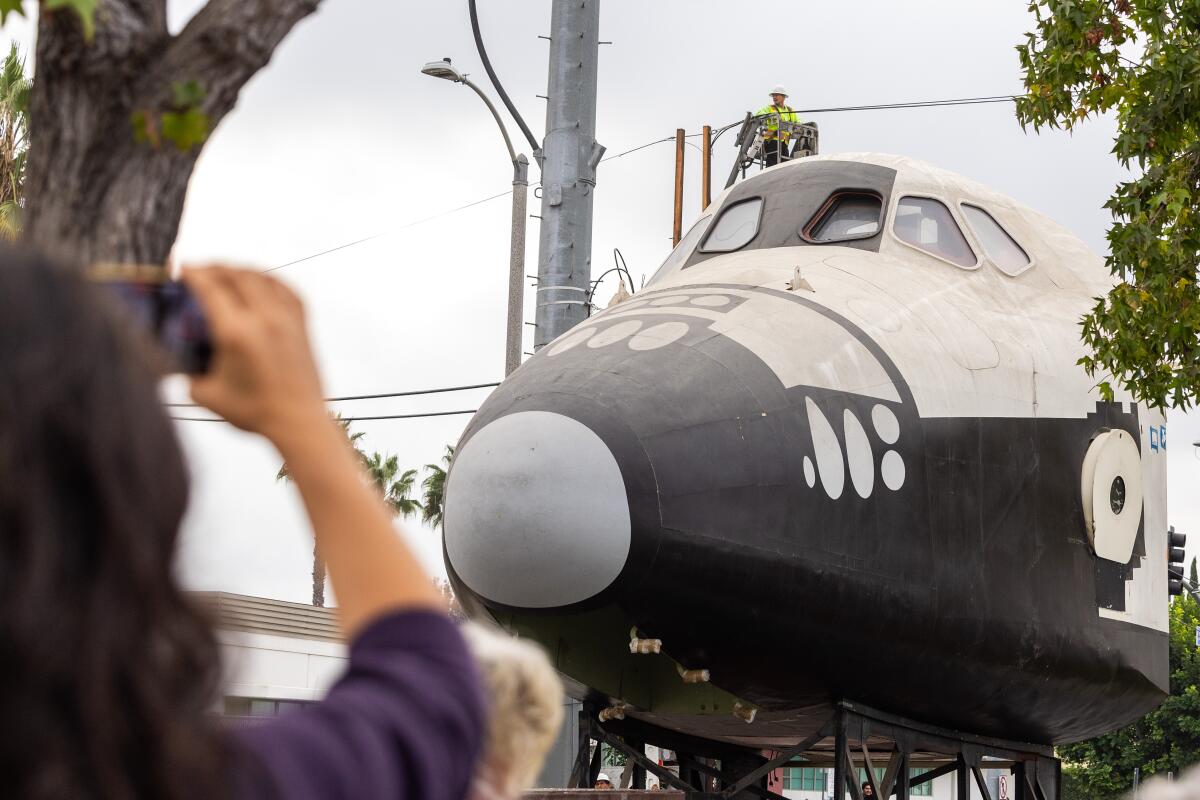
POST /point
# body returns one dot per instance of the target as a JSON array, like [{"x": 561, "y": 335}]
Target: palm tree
[
  {"x": 382, "y": 471},
  {"x": 434, "y": 490},
  {"x": 14, "y": 141},
  {"x": 396, "y": 491}
]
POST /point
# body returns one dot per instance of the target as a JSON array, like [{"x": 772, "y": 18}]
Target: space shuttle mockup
[{"x": 838, "y": 448}]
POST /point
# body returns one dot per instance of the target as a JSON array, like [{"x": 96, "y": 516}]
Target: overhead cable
[
  {"x": 487, "y": 66},
  {"x": 411, "y": 393},
  {"x": 962, "y": 101},
  {"x": 352, "y": 419},
  {"x": 393, "y": 230}
]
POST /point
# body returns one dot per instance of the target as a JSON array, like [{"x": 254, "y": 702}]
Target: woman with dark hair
[{"x": 107, "y": 672}]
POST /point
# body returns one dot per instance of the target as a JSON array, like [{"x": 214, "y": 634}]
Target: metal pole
[
  {"x": 677, "y": 220},
  {"x": 512, "y": 154},
  {"x": 569, "y": 158},
  {"x": 516, "y": 266},
  {"x": 516, "y": 248},
  {"x": 706, "y": 168}
]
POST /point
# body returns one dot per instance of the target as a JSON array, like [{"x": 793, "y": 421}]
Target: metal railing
[{"x": 752, "y": 142}]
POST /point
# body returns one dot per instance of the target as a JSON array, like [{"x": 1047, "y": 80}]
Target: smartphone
[{"x": 166, "y": 310}]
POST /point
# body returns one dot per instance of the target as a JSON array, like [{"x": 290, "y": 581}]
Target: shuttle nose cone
[{"x": 536, "y": 512}]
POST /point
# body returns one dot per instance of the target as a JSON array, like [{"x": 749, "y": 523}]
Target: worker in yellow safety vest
[{"x": 776, "y": 142}]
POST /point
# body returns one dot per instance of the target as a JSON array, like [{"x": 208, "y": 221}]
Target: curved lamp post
[{"x": 520, "y": 197}]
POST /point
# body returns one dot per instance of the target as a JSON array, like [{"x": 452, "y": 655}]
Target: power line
[
  {"x": 351, "y": 419},
  {"x": 411, "y": 393},
  {"x": 961, "y": 101},
  {"x": 412, "y": 224}
]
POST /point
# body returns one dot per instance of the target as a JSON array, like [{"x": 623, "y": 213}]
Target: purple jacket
[{"x": 405, "y": 721}]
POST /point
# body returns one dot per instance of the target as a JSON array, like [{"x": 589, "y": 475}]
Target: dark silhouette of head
[{"x": 106, "y": 671}]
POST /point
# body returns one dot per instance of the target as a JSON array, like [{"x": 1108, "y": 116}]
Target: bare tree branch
[
  {"x": 224, "y": 45},
  {"x": 93, "y": 193}
]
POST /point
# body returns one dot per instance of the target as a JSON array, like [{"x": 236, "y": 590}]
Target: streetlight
[{"x": 520, "y": 197}]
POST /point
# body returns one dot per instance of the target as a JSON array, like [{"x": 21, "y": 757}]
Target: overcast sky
[{"x": 341, "y": 138}]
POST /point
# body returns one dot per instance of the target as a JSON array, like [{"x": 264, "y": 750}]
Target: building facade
[{"x": 276, "y": 656}]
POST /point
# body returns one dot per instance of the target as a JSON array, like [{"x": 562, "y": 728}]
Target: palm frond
[{"x": 10, "y": 220}]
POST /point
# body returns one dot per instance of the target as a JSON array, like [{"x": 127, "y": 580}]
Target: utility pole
[
  {"x": 570, "y": 155},
  {"x": 516, "y": 266}
]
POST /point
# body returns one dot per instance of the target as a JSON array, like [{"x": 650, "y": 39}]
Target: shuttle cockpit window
[
  {"x": 845, "y": 216},
  {"x": 682, "y": 250},
  {"x": 735, "y": 228},
  {"x": 997, "y": 245},
  {"x": 928, "y": 225}
]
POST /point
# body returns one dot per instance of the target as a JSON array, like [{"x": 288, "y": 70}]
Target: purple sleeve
[{"x": 405, "y": 721}]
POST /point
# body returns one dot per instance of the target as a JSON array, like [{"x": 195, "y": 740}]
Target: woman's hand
[{"x": 262, "y": 377}]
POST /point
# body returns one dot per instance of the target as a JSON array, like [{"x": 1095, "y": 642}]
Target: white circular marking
[
  {"x": 828, "y": 451},
  {"x": 1111, "y": 481},
  {"x": 658, "y": 336},
  {"x": 571, "y": 340},
  {"x": 615, "y": 333},
  {"x": 536, "y": 512},
  {"x": 858, "y": 456},
  {"x": 711, "y": 301},
  {"x": 892, "y": 470},
  {"x": 810, "y": 472},
  {"x": 886, "y": 424},
  {"x": 673, "y": 300}
]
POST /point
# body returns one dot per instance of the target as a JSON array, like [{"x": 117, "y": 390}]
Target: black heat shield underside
[{"x": 968, "y": 598}]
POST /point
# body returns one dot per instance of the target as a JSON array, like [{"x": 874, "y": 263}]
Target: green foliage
[
  {"x": 184, "y": 125},
  {"x": 14, "y": 141},
  {"x": 384, "y": 473},
  {"x": 434, "y": 489},
  {"x": 1145, "y": 332},
  {"x": 612, "y": 757},
  {"x": 396, "y": 487},
  {"x": 84, "y": 9},
  {"x": 1165, "y": 740},
  {"x": 10, "y": 7}
]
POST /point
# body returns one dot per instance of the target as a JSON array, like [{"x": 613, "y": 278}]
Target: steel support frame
[
  {"x": 854, "y": 736},
  {"x": 1037, "y": 773}
]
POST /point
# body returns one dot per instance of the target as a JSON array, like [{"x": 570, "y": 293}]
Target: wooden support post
[
  {"x": 597, "y": 764},
  {"x": 706, "y": 168},
  {"x": 983, "y": 788},
  {"x": 902, "y": 778},
  {"x": 639, "y": 771},
  {"x": 677, "y": 224},
  {"x": 962, "y": 779},
  {"x": 839, "y": 763},
  {"x": 579, "y": 771},
  {"x": 852, "y": 783}
]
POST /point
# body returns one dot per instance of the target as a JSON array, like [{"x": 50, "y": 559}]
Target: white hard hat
[
  {"x": 779, "y": 90},
  {"x": 603, "y": 776}
]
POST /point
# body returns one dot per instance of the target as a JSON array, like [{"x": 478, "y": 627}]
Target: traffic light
[{"x": 1175, "y": 544}]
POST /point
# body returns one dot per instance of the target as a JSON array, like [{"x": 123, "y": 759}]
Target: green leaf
[
  {"x": 185, "y": 129},
  {"x": 86, "y": 9},
  {"x": 10, "y": 7},
  {"x": 187, "y": 94}
]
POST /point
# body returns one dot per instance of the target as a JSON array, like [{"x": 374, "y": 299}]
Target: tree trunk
[
  {"x": 93, "y": 193},
  {"x": 318, "y": 576}
]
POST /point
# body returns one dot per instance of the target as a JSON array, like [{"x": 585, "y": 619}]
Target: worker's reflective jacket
[{"x": 771, "y": 116}]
